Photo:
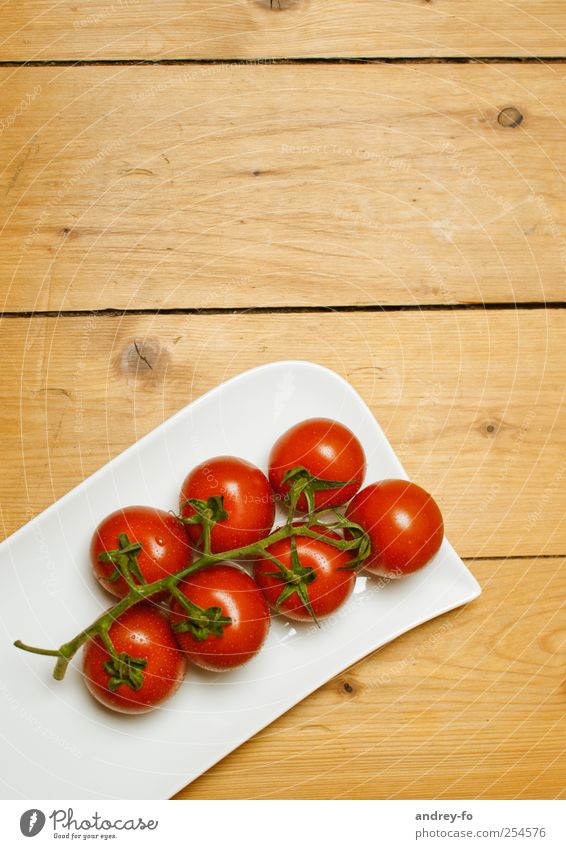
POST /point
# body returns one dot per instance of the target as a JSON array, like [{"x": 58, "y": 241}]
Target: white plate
[{"x": 57, "y": 742}]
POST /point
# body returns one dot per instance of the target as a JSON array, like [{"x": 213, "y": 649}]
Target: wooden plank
[
  {"x": 283, "y": 185},
  {"x": 472, "y": 401},
  {"x": 125, "y": 29},
  {"x": 470, "y": 705}
]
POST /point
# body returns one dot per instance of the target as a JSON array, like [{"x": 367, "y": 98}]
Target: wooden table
[{"x": 178, "y": 205}]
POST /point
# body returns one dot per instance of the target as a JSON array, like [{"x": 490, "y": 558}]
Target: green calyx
[
  {"x": 359, "y": 543},
  {"x": 122, "y": 667},
  {"x": 125, "y": 669},
  {"x": 199, "y": 621},
  {"x": 295, "y": 579},
  {"x": 207, "y": 514},
  {"x": 302, "y": 482},
  {"x": 125, "y": 560},
  {"x": 210, "y": 511}
]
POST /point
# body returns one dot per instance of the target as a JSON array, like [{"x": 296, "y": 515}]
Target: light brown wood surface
[
  {"x": 471, "y": 401},
  {"x": 222, "y": 186},
  {"x": 249, "y": 29},
  {"x": 218, "y": 187}
]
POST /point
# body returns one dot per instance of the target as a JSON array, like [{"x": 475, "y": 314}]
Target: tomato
[
  {"x": 244, "y": 498},
  {"x": 317, "y": 576},
  {"x": 164, "y": 548},
  {"x": 403, "y": 522},
  {"x": 152, "y": 664},
  {"x": 228, "y": 621},
  {"x": 322, "y": 449}
]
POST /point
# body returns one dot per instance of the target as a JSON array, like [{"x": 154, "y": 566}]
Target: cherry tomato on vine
[
  {"x": 148, "y": 665},
  {"x": 146, "y": 542},
  {"x": 224, "y": 619},
  {"x": 404, "y": 525},
  {"x": 322, "y": 459},
  {"x": 238, "y": 497},
  {"x": 314, "y": 578}
]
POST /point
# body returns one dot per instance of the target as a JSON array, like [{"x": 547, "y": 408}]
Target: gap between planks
[
  {"x": 291, "y": 310},
  {"x": 505, "y": 557},
  {"x": 304, "y": 60}
]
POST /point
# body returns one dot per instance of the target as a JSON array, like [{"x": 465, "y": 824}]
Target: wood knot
[
  {"x": 278, "y": 5},
  {"x": 490, "y": 428},
  {"x": 510, "y": 117},
  {"x": 348, "y": 687},
  {"x": 144, "y": 358}
]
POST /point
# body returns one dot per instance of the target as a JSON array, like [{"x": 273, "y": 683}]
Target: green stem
[
  {"x": 206, "y": 540},
  {"x": 137, "y": 593},
  {"x": 107, "y": 642},
  {"x": 342, "y": 544},
  {"x": 34, "y": 650}
]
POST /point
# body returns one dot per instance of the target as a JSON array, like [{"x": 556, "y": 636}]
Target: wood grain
[
  {"x": 470, "y": 705},
  {"x": 126, "y": 29},
  {"x": 222, "y": 186},
  {"x": 472, "y": 402}
]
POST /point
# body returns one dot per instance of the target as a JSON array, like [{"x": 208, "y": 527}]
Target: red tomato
[
  {"x": 318, "y": 570},
  {"x": 164, "y": 548},
  {"x": 403, "y": 522},
  {"x": 151, "y": 666},
  {"x": 229, "y": 623},
  {"x": 247, "y": 499},
  {"x": 328, "y": 451}
]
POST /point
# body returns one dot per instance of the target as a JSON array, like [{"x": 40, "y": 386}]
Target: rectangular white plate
[{"x": 56, "y": 741}]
